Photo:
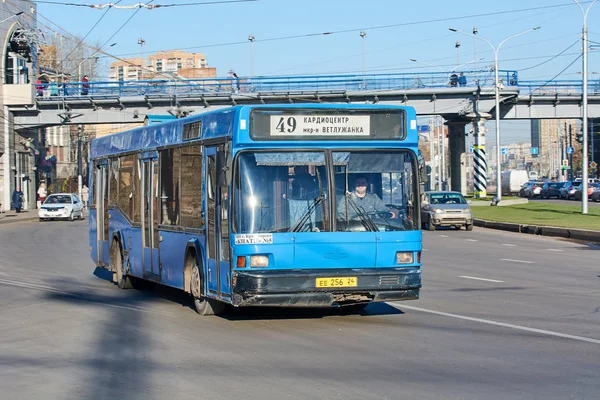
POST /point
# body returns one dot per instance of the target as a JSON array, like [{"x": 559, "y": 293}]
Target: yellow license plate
[{"x": 346, "y": 281}]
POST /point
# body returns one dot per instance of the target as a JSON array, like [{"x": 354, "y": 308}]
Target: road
[{"x": 502, "y": 316}]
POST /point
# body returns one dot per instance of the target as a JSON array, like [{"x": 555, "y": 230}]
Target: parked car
[
  {"x": 445, "y": 209},
  {"x": 531, "y": 189},
  {"x": 568, "y": 190},
  {"x": 579, "y": 190},
  {"x": 61, "y": 206},
  {"x": 595, "y": 196},
  {"x": 551, "y": 189}
]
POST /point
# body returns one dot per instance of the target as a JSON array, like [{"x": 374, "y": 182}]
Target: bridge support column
[
  {"x": 456, "y": 144},
  {"x": 479, "y": 154}
]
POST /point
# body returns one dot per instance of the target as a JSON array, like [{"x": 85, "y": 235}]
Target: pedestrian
[
  {"x": 514, "y": 80},
  {"x": 53, "y": 86},
  {"x": 462, "y": 80},
  {"x": 39, "y": 87},
  {"x": 453, "y": 80},
  {"x": 64, "y": 85},
  {"x": 17, "y": 199},
  {"x": 85, "y": 87},
  {"x": 85, "y": 193},
  {"x": 42, "y": 192},
  {"x": 237, "y": 83}
]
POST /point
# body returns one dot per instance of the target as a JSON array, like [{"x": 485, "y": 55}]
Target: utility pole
[
  {"x": 571, "y": 154},
  {"x": 79, "y": 178},
  {"x": 475, "y": 31}
]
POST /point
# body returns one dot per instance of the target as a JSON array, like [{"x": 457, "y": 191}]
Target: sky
[{"x": 289, "y": 37}]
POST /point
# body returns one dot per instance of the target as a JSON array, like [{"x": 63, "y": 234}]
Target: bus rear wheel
[
  {"x": 204, "y": 306},
  {"x": 116, "y": 262}
]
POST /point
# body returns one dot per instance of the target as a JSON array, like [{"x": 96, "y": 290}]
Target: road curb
[
  {"x": 9, "y": 220},
  {"x": 569, "y": 233}
]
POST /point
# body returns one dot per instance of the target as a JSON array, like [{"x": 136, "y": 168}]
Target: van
[
  {"x": 512, "y": 181},
  {"x": 533, "y": 175}
]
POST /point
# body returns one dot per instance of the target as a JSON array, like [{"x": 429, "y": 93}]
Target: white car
[{"x": 61, "y": 206}]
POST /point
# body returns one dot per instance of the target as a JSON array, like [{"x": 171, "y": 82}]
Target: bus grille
[{"x": 389, "y": 280}]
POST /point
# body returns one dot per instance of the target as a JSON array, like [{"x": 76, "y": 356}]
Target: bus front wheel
[
  {"x": 204, "y": 306},
  {"x": 116, "y": 262}
]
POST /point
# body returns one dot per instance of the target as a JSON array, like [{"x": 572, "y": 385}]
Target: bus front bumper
[{"x": 299, "y": 288}]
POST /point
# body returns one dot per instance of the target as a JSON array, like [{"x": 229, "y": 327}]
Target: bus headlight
[
  {"x": 404, "y": 258},
  {"x": 438, "y": 210},
  {"x": 259, "y": 261}
]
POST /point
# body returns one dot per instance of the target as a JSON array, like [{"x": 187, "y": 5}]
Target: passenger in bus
[
  {"x": 304, "y": 185},
  {"x": 368, "y": 203}
]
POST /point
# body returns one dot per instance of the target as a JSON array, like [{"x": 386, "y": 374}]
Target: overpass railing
[
  {"x": 560, "y": 87},
  {"x": 277, "y": 84}
]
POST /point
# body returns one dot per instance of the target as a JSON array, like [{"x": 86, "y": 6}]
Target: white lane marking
[
  {"x": 472, "y": 240},
  {"x": 480, "y": 279},
  {"x": 554, "y": 250},
  {"x": 509, "y": 245},
  {"x": 54, "y": 290},
  {"x": 517, "y": 261},
  {"x": 443, "y": 235},
  {"x": 496, "y": 323}
]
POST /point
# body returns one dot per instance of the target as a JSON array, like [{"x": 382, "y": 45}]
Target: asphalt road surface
[{"x": 502, "y": 316}]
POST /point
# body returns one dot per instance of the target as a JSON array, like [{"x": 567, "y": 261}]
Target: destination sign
[{"x": 320, "y": 125}]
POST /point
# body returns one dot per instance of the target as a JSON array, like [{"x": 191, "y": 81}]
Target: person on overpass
[{"x": 462, "y": 80}]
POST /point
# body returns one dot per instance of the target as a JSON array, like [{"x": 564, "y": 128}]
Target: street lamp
[
  {"x": 251, "y": 38},
  {"x": 363, "y": 35},
  {"x": 584, "y": 190},
  {"x": 89, "y": 58},
  {"x": 497, "y": 96}
]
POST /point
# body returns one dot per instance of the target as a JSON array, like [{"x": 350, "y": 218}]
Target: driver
[{"x": 366, "y": 202}]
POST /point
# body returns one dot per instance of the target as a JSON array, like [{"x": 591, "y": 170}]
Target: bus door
[
  {"x": 150, "y": 209},
  {"x": 217, "y": 228},
  {"x": 102, "y": 213}
]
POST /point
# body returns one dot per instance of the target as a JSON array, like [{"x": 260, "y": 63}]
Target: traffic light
[{"x": 579, "y": 136}]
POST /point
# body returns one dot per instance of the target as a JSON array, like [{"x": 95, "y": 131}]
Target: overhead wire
[{"x": 371, "y": 28}]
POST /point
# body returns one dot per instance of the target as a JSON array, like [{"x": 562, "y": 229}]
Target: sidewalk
[{"x": 7, "y": 217}]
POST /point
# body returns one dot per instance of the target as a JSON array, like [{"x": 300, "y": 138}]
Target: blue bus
[{"x": 293, "y": 205}]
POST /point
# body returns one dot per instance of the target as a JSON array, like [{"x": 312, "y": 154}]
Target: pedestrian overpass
[{"x": 429, "y": 93}]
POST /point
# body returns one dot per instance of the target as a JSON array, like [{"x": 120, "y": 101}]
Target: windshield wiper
[
  {"x": 307, "y": 214},
  {"x": 365, "y": 219}
]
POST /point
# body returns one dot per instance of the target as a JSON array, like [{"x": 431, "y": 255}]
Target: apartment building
[{"x": 161, "y": 65}]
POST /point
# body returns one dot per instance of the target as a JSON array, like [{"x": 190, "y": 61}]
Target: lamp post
[
  {"x": 457, "y": 45},
  {"x": 89, "y": 58},
  {"x": 251, "y": 38},
  {"x": 497, "y": 100},
  {"x": 584, "y": 36},
  {"x": 363, "y": 35},
  {"x": 141, "y": 42}
]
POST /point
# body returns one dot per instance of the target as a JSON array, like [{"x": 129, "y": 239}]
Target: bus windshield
[{"x": 290, "y": 192}]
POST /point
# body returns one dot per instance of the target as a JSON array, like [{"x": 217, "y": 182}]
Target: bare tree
[{"x": 69, "y": 57}]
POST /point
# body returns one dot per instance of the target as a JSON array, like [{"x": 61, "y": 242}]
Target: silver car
[{"x": 445, "y": 209}]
